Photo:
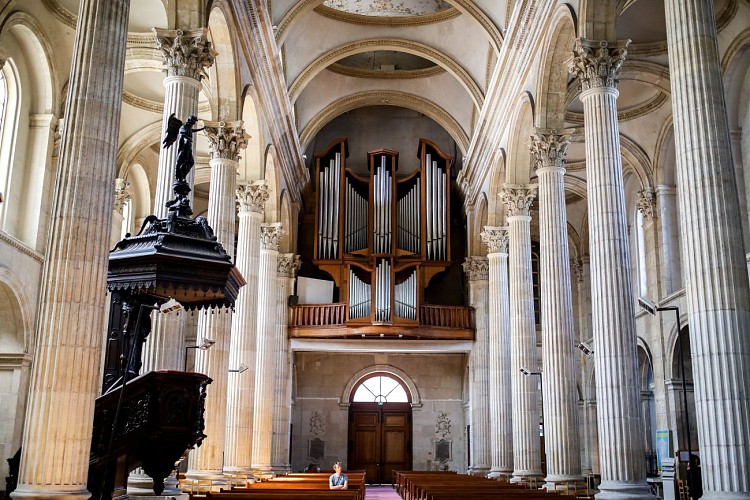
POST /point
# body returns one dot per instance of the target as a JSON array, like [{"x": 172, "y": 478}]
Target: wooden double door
[{"x": 380, "y": 440}]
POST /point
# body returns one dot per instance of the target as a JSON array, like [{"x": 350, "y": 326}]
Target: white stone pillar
[
  {"x": 499, "y": 369},
  {"x": 66, "y": 371},
  {"x": 560, "y": 395},
  {"x": 122, "y": 196},
  {"x": 597, "y": 65},
  {"x": 527, "y": 458},
  {"x": 186, "y": 55},
  {"x": 477, "y": 272},
  {"x": 715, "y": 269},
  {"x": 265, "y": 357},
  {"x": 226, "y": 140},
  {"x": 241, "y": 389},
  {"x": 288, "y": 265}
]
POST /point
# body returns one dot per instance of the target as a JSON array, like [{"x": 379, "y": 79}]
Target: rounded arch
[
  {"x": 36, "y": 50},
  {"x": 495, "y": 206},
  {"x": 518, "y": 168},
  {"x": 480, "y": 220},
  {"x": 672, "y": 349},
  {"x": 553, "y": 81},
  {"x": 288, "y": 240},
  {"x": 396, "y": 373},
  {"x": 135, "y": 145},
  {"x": 394, "y": 44},
  {"x": 16, "y": 314},
  {"x": 223, "y": 76},
  {"x": 636, "y": 161},
  {"x": 665, "y": 160},
  {"x": 271, "y": 176},
  {"x": 467, "y": 7},
  {"x": 387, "y": 98},
  {"x": 251, "y": 161},
  {"x": 734, "y": 65}
]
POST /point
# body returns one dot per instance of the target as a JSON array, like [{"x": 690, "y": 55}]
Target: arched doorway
[{"x": 380, "y": 427}]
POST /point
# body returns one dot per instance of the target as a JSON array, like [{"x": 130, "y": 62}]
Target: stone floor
[{"x": 385, "y": 492}]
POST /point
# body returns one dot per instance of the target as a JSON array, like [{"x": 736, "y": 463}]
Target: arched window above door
[{"x": 380, "y": 389}]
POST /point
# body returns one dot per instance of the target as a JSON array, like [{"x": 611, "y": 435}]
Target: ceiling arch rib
[
  {"x": 387, "y": 98},
  {"x": 467, "y": 7},
  {"x": 415, "y": 48}
]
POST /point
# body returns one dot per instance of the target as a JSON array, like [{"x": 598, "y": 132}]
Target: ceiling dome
[{"x": 389, "y": 8}]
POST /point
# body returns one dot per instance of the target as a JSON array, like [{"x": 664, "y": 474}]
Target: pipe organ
[{"x": 394, "y": 230}]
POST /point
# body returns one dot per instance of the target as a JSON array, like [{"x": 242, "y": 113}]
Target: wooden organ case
[{"x": 382, "y": 237}]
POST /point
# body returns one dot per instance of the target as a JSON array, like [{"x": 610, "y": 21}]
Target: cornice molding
[
  {"x": 61, "y": 13},
  {"x": 385, "y": 75},
  {"x": 21, "y": 246},
  {"x": 388, "y": 98},
  {"x": 651, "y": 49},
  {"x": 422, "y": 50},
  {"x": 631, "y": 113},
  {"x": 153, "y": 106}
]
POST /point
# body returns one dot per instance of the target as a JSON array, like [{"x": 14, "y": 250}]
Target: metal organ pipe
[{"x": 359, "y": 297}]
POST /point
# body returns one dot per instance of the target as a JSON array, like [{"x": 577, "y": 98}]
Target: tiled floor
[{"x": 385, "y": 492}]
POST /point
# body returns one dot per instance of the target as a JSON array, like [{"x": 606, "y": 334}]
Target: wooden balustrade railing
[
  {"x": 318, "y": 315},
  {"x": 445, "y": 316}
]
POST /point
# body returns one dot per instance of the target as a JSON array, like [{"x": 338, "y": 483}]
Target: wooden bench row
[
  {"x": 445, "y": 485},
  {"x": 295, "y": 487}
]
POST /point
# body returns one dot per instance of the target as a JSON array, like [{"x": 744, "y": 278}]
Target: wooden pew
[
  {"x": 442, "y": 486},
  {"x": 297, "y": 486}
]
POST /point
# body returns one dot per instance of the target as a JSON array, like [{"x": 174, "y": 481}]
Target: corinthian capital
[
  {"x": 548, "y": 148},
  {"x": 496, "y": 239},
  {"x": 646, "y": 204},
  {"x": 186, "y": 52},
  {"x": 252, "y": 197},
  {"x": 288, "y": 265},
  {"x": 270, "y": 234},
  {"x": 518, "y": 198},
  {"x": 597, "y": 62},
  {"x": 226, "y": 139},
  {"x": 122, "y": 195},
  {"x": 477, "y": 268}
]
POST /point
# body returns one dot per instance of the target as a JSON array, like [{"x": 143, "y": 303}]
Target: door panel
[{"x": 379, "y": 439}]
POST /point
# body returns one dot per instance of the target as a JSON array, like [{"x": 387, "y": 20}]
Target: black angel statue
[{"x": 184, "y": 131}]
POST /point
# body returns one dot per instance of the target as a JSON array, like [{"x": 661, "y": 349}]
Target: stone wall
[{"x": 322, "y": 380}]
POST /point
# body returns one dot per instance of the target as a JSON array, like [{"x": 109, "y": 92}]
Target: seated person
[{"x": 338, "y": 480}]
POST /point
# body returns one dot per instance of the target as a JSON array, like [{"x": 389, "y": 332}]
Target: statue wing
[{"x": 173, "y": 130}]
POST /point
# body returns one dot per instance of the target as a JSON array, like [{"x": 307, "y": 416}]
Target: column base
[
  {"x": 239, "y": 476},
  {"x": 479, "y": 471},
  {"x": 504, "y": 474},
  {"x": 621, "y": 490},
  {"x": 200, "y": 481},
  {"x": 263, "y": 472},
  {"x": 723, "y": 495},
  {"x": 559, "y": 481},
  {"x": 533, "y": 478},
  {"x": 28, "y": 491}
]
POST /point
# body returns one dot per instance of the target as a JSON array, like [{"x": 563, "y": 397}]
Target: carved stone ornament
[
  {"x": 317, "y": 424},
  {"x": 443, "y": 425},
  {"x": 477, "y": 268},
  {"x": 252, "y": 197},
  {"x": 646, "y": 204},
  {"x": 288, "y": 265},
  {"x": 186, "y": 52},
  {"x": 226, "y": 139},
  {"x": 597, "y": 63},
  {"x": 496, "y": 239},
  {"x": 549, "y": 148},
  {"x": 518, "y": 198},
  {"x": 577, "y": 267},
  {"x": 122, "y": 195},
  {"x": 270, "y": 234}
]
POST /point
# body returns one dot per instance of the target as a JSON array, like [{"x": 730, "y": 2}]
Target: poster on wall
[{"x": 663, "y": 446}]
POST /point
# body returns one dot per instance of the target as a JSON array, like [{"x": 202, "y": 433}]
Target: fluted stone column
[
  {"x": 597, "y": 65},
  {"x": 560, "y": 396},
  {"x": 266, "y": 356},
  {"x": 226, "y": 140},
  {"x": 122, "y": 196},
  {"x": 186, "y": 55},
  {"x": 241, "y": 389},
  {"x": 288, "y": 265},
  {"x": 527, "y": 458},
  {"x": 499, "y": 369},
  {"x": 65, "y": 375},
  {"x": 715, "y": 275},
  {"x": 477, "y": 272}
]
